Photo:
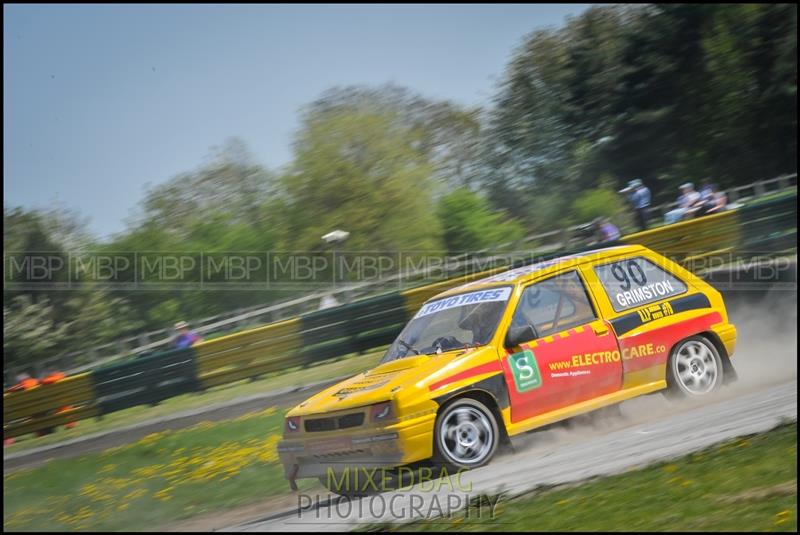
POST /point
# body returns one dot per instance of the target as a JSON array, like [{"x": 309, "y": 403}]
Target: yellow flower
[{"x": 783, "y": 516}]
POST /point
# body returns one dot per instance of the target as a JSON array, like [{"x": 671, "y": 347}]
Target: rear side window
[
  {"x": 554, "y": 305},
  {"x": 637, "y": 281}
]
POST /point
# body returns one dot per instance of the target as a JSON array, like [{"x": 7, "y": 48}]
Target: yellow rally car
[{"x": 513, "y": 352}]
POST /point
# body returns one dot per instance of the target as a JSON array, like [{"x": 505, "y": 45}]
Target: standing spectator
[
  {"x": 689, "y": 203},
  {"x": 185, "y": 337},
  {"x": 639, "y": 197}
]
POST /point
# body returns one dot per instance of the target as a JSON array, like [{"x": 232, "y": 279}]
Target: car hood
[{"x": 382, "y": 382}]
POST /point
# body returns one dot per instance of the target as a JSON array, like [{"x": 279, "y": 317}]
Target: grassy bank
[
  {"x": 747, "y": 484},
  {"x": 159, "y": 479}
]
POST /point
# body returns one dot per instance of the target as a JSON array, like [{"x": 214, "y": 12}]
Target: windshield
[{"x": 454, "y": 322}]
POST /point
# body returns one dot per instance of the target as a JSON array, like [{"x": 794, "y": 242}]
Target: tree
[
  {"x": 228, "y": 182},
  {"x": 362, "y": 172},
  {"x": 750, "y": 104},
  {"x": 470, "y": 225},
  {"x": 601, "y": 202},
  {"x": 448, "y": 135},
  {"x": 667, "y": 92},
  {"x": 30, "y": 332}
]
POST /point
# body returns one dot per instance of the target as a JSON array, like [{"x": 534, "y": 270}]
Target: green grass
[
  {"x": 159, "y": 479},
  {"x": 746, "y": 484},
  {"x": 788, "y": 192},
  {"x": 297, "y": 376}
]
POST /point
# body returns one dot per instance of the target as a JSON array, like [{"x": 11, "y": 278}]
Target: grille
[
  {"x": 351, "y": 420},
  {"x": 331, "y": 424},
  {"x": 339, "y": 454}
]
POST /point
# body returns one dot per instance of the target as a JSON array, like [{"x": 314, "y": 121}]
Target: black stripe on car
[{"x": 632, "y": 320}]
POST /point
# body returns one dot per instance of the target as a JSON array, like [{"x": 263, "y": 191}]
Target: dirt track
[{"x": 559, "y": 458}]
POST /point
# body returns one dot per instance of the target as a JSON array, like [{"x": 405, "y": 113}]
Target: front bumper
[{"x": 315, "y": 454}]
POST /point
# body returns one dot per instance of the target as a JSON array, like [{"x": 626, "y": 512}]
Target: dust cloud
[{"x": 766, "y": 350}]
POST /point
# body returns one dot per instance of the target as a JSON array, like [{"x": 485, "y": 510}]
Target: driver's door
[{"x": 572, "y": 355}]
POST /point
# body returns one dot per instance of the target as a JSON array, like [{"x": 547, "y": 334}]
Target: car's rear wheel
[
  {"x": 695, "y": 368},
  {"x": 466, "y": 434}
]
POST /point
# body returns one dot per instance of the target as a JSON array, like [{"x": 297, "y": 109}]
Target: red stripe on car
[{"x": 489, "y": 367}]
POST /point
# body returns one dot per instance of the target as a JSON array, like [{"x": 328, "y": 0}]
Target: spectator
[
  {"x": 185, "y": 337},
  {"x": 639, "y": 196},
  {"x": 706, "y": 191},
  {"x": 24, "y": 382},
  {"x": 606, "y": 231},
  {"x": 689, "y": 203},
  {"x": 714, "y": 202},
  {"x": 52, "y": 377}
]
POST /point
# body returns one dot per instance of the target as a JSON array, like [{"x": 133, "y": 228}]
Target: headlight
[
  {"x": 381, "y": 411},
  {"x": 292, "y": 424}
]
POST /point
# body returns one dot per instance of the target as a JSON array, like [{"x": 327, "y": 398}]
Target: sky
[{"x": 103, "y": 101}]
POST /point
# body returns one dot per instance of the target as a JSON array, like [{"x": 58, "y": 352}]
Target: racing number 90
[{"x": 634, "y": 272}]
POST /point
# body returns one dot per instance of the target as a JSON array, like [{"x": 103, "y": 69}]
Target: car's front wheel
[
  {"x": 466, "y": 434},
  {"x": 695, "y": 368}
]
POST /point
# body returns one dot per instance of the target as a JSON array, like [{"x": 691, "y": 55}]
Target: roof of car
[{"x": 532, "y": 271}]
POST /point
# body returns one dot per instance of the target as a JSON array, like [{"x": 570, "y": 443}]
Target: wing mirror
[{"x": 517, "y": 335}]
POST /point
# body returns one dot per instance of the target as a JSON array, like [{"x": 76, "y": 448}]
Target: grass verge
[
  {"x": 746, "y": 484},
  {"x": 161, "y": 478}
]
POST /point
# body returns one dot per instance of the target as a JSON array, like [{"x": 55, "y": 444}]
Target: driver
[{"x": 479, "y": 320}]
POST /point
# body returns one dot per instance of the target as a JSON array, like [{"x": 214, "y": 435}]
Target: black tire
[
  {"x": 465, "y": 435},
  {"x": 694, "y": 369}
]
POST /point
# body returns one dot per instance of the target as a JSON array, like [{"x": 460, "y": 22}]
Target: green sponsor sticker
[{"x": 525, "y": 371}]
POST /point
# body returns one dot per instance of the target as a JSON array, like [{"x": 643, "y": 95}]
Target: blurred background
[{"x": 361, "y": 159}]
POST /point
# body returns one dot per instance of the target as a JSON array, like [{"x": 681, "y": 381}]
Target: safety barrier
[
  {"x": 356, "y": 327},
  {"x": 770, "y": 224},
  {"x": 689, "y": 239},
  {"x": 248, "y": 354},
  {"x": 46, "y": 406}
]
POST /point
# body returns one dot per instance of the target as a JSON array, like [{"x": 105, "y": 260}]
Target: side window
[
  {"x": 633, "y": 282},
  {"x": 554, "y": 305}
]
